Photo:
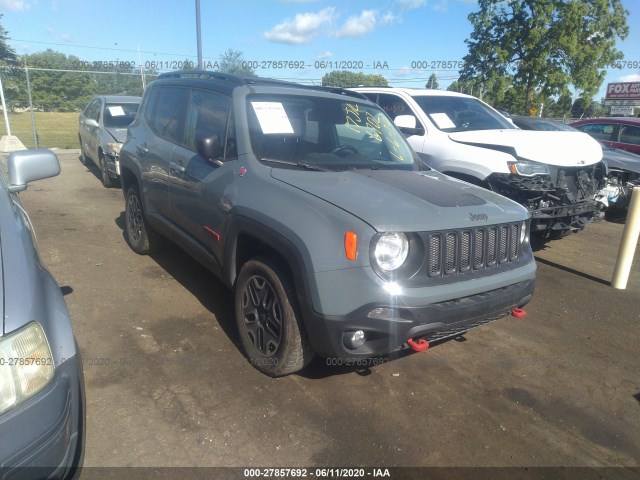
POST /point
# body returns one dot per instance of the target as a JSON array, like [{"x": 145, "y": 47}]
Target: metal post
[
  {"x": 144, "y": 82},
  {"x": 4, "y": 109},
  {"x": 199, "y": 34},
  {"x": 628, "y": 243},
  {"x": 33, "y": 117}
]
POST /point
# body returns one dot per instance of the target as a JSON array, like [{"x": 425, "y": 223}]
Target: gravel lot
[{"x": 167, "y": 384}]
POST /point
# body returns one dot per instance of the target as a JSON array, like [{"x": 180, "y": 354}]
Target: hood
[
  {"x": 118, "y": 134},
  {"x": 616, "y": 158},
  {"x": 559, "y": 148},
  {"x": 408, "y": 201}
]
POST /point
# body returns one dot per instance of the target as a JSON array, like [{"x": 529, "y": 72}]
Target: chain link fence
[{"x": 43, "y": 104}]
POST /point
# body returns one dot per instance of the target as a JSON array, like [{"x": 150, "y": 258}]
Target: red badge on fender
[{"x": 242, "y": 171}]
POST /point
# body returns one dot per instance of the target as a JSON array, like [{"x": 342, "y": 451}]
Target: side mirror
[
  {"x": 28, "y": 165},
  {"x": 209, "y": 148},
  {"x": 408, "y": 124},
  {"x": 90, "y": 122}
]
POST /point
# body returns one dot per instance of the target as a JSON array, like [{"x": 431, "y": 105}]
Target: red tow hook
[
  {"x": 518, "y": 313},
  {"x": 420, "y": 346}
]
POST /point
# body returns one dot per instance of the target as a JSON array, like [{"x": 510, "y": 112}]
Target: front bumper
[
  {"x": 113, "y": 165},
  {"x": 388, "y": 325},
  {"x": 44, "y": 437},
  {"x": 553, "y": 208},
  {"x": 566, "y": 217}
]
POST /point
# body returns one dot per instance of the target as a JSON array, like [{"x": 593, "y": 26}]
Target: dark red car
[{"x": 616, "y": 132}]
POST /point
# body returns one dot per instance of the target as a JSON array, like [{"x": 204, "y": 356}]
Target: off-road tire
[{"x": 268, "y": 319}]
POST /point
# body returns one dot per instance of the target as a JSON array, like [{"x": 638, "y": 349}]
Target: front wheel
[
  {"x": 140, "y": 235},
  {"x": 107, "y": 181},
  {"x": 83, "y": 156},
  {"x": 268, "y": 320}
]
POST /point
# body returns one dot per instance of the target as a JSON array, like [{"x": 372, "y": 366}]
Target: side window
[
  {"x": 168, "y": 107},
  {"x": 599, "y": 131},
  {"x": 93, "y": 110},
  {"x": 630, "y": 134},
  {"x": 394, "y": 105},
  {"x": 209, "y": 115}
]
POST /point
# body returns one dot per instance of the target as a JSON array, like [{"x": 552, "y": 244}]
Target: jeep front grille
[{"x": 460, "y": 251}]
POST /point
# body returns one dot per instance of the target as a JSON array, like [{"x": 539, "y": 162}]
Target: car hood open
[
  {"x": 562, "y": 149},
  {"x": 399, "y": 200}
]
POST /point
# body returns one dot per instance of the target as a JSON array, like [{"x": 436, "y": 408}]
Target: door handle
[
  {"x": 177, "y": 168},
  {"x": 142, "y": 150}
]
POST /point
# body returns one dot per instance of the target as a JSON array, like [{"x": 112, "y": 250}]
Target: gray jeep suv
[{"x": 311, "y": 206}]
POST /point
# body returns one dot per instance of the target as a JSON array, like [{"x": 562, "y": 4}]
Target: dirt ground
[{"x": 167, "y": 384}]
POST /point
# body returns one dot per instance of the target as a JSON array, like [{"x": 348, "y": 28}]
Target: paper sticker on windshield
[
  {"x": 442, "y": 120},
  {"x": 272, "y": 117},
  {"x": 116, "y": 111}
]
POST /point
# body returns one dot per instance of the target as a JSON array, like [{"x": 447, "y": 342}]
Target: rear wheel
[
  {"x": 268, "y": 320},
  {"x": 140, "y": 235},
  {"x": 107, "y": 181}
]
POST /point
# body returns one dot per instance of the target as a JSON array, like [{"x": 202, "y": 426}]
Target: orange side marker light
[{"x": 351, "y": 245}]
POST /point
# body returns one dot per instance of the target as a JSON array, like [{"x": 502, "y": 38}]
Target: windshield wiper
[{"x": 308, "y": 166}]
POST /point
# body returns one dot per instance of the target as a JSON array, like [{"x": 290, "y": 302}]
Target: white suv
[{"x": 553, "y": 174}]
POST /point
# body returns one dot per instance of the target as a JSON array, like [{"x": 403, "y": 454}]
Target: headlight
[
  {"x": 523, "y": 232},
  {"x": 391, "y": 250},
  {"x": 527, "y": 169},
  {"x": 114, "y": 149},
  {"x": 26, "y": 365}
]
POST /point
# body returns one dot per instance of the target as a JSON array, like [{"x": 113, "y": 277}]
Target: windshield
[
  {"x": 119, "y": 115},
  {"x": 459, "y": 114},
  {"x": 325, "y": 133}
]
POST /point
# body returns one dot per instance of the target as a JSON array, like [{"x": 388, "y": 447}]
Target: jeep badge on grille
[{"x": 476, "y": 217}]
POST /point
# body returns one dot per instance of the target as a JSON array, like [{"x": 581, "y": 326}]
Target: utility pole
[
  {"x": 33, "y": 117},
  {"x": 199, "y": 34}
]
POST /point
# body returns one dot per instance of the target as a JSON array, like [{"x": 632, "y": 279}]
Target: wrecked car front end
[
  {"x": 555, "y": 175},
  {"x": 559, "y": 198}
]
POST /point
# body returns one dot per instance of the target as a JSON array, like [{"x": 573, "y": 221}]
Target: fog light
[{"x": 355, "y": 339}]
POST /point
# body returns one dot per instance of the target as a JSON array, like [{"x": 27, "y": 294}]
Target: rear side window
[
  {"x": 93, "y": 110},
  {"x": 165, "y": 112},
  {"x": 630, "y": 134}
]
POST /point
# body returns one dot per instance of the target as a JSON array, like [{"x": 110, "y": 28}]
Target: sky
[{"x": 404, "y": 40}]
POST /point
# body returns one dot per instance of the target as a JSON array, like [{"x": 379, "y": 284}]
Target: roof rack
[
  {"x": 229, "y": 77},
  {"x": 338, "y": 90},
  {"x": 247, "y": 79}
]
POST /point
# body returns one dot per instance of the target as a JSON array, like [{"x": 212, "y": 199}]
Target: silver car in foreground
[
  {"x": 102, "y": 130},
  {"x": 42, "y": 407}
]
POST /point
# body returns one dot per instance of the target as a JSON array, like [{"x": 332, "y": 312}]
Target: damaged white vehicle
[
  {"x": 622, "y": 175},
  {"x": 620, "y": 172},
  {"x": 553, "y": 174}
]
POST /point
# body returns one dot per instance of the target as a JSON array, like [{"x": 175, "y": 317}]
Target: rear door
[
  {"x": 199, "y": 187},
  {"x": 165, "y": 114}
]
